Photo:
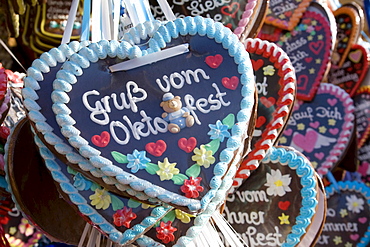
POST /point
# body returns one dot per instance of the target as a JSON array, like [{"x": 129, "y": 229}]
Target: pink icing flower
[
  {"x": 192, "y": 187},
  {"x": 165, "y": 232},
  {"x": 123, "y": 217}
]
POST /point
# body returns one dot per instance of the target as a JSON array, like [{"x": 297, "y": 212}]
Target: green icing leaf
[
  {"x": 71, "y": 171},
  {"x": 213, "y": 146},
  {"x": 120, "y": 158},
  {"x": 178, "y": 179},
  {"x": 116, "y": 202},
  {"x": 171, "y": 216},
  {"x": 151, "y": 168},
  {"x": 133, "y": 204},
  {"x": 193, "y": 171},
  {"x": 229, "y": 120}
]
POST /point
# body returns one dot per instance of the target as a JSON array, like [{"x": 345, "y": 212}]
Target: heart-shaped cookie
[
  {"x": 351, "y": 74},
  {"x": 121, "y": 219},
  {"x": 362, "y": 114},
  {"x": 39, "y": 83},
  {"x": 276, "y": 87},
  {"x": 348, "y": 32},
  {"x": 286, "y": 14},
  {"x": 309, "y": 48},
  {"x": 27, "y": 176},
  {"x": 277, "y": 203},
  {"x": 322, "y": 129},
  {"x": 147, "y": 108},
  {"x": 243, "y": 17},
  {"x": 347, "y": 219}
]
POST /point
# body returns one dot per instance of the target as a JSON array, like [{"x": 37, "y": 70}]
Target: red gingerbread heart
[
  {"x": 187, "y": 145},
  {"x": 101, "y": 140},
  {"x": 157, "y": 148}
]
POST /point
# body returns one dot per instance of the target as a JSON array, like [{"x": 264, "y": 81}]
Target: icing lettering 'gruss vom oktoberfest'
[{"x": 121, "y": 140}]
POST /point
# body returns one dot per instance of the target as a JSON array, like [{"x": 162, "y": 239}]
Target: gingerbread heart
[
  {"x": 347, "y": 219},
  {"x": 348, "y": 32},
  {"x": 322, "y": 129},
  {"x": 277, "y": 204},
  {"x": 309, "y": 48},
  {"x": 158, "y": 112},
  {"x": 121, "y": 219},
  {"x": 362, "y": 114},
  {"x": 286, "y": 14},
  {"x": 350, "y": 75},
  {"x": 39, "y": 82},
  {"x": 243, "y": 17},
  {"x": 276, "y": 85}
]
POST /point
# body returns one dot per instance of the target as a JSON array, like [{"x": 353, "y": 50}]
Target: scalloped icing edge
[
  {"x": 129, "y": 235},
  {"x": 34, "y": 76},
  {"x": 356, "y": 32},
  {"x": 186, "y": 26},
  {"x": 360, "y": 188},
  {"x": 288, "y": 156},
  {"x": 278, "y": 56},
  {"x": 293, "y": 21},
  {"x": 347, "y": 127},
  {"x": 249, "y": 11}
]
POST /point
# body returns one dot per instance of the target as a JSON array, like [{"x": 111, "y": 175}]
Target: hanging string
[
  {"x": 70, "y": 22},
  {"x": 11, "y": 54},
  {"x": 85, "y": 27}
]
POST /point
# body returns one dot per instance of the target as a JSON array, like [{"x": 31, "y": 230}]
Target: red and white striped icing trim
[{"x": 287, "y": 93}]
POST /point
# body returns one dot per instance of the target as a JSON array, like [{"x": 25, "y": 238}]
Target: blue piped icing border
[
  {"x": 360, "y": 188},
  {"x": 298, "y": 162},
  {"x": 98, "y": 220},
  {"x": 123, "y": 50},
  {"x": 33, "y": 82}
]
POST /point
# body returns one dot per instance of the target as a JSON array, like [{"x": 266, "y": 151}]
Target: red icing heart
[
  {"x": 302, "y": 82},
  {"x": 257, "y": 64},
  {"x": 101, "y": 140},
  {"x": 230, "y": 83},
  {"x": 187, "y": 145},
  {"x": 156, "y": 149},
  {"x": 308, "y": 59},
  {"x": 284, "y": 205},
  {"x": 214, "y": 61},
  {"x": 268, "y": 102},
  {"x": 260, "y": 121},
  {"x": 231, "y": 10},
  {"x": 316, "y": 47},
  {"x": 354, "y": 237}
]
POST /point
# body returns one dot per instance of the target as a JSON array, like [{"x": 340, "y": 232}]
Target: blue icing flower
[
  {"x": 81, "y": 183},
  {"x": 219, "y": 131},
  {"x": 137, "y": 161}
]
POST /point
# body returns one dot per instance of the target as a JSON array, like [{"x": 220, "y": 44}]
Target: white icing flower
[
  {"x": 277, "y": 184},
  {"x": 354, "y": 204}
]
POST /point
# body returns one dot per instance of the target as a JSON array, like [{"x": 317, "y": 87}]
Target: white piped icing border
[
  {"x": 33, "y": 83},
  {"x": 287, "y": 92},
  {"x": 187, "y": 26}
]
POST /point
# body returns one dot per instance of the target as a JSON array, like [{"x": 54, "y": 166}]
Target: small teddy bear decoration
[{"x": 177, "y": 116}]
